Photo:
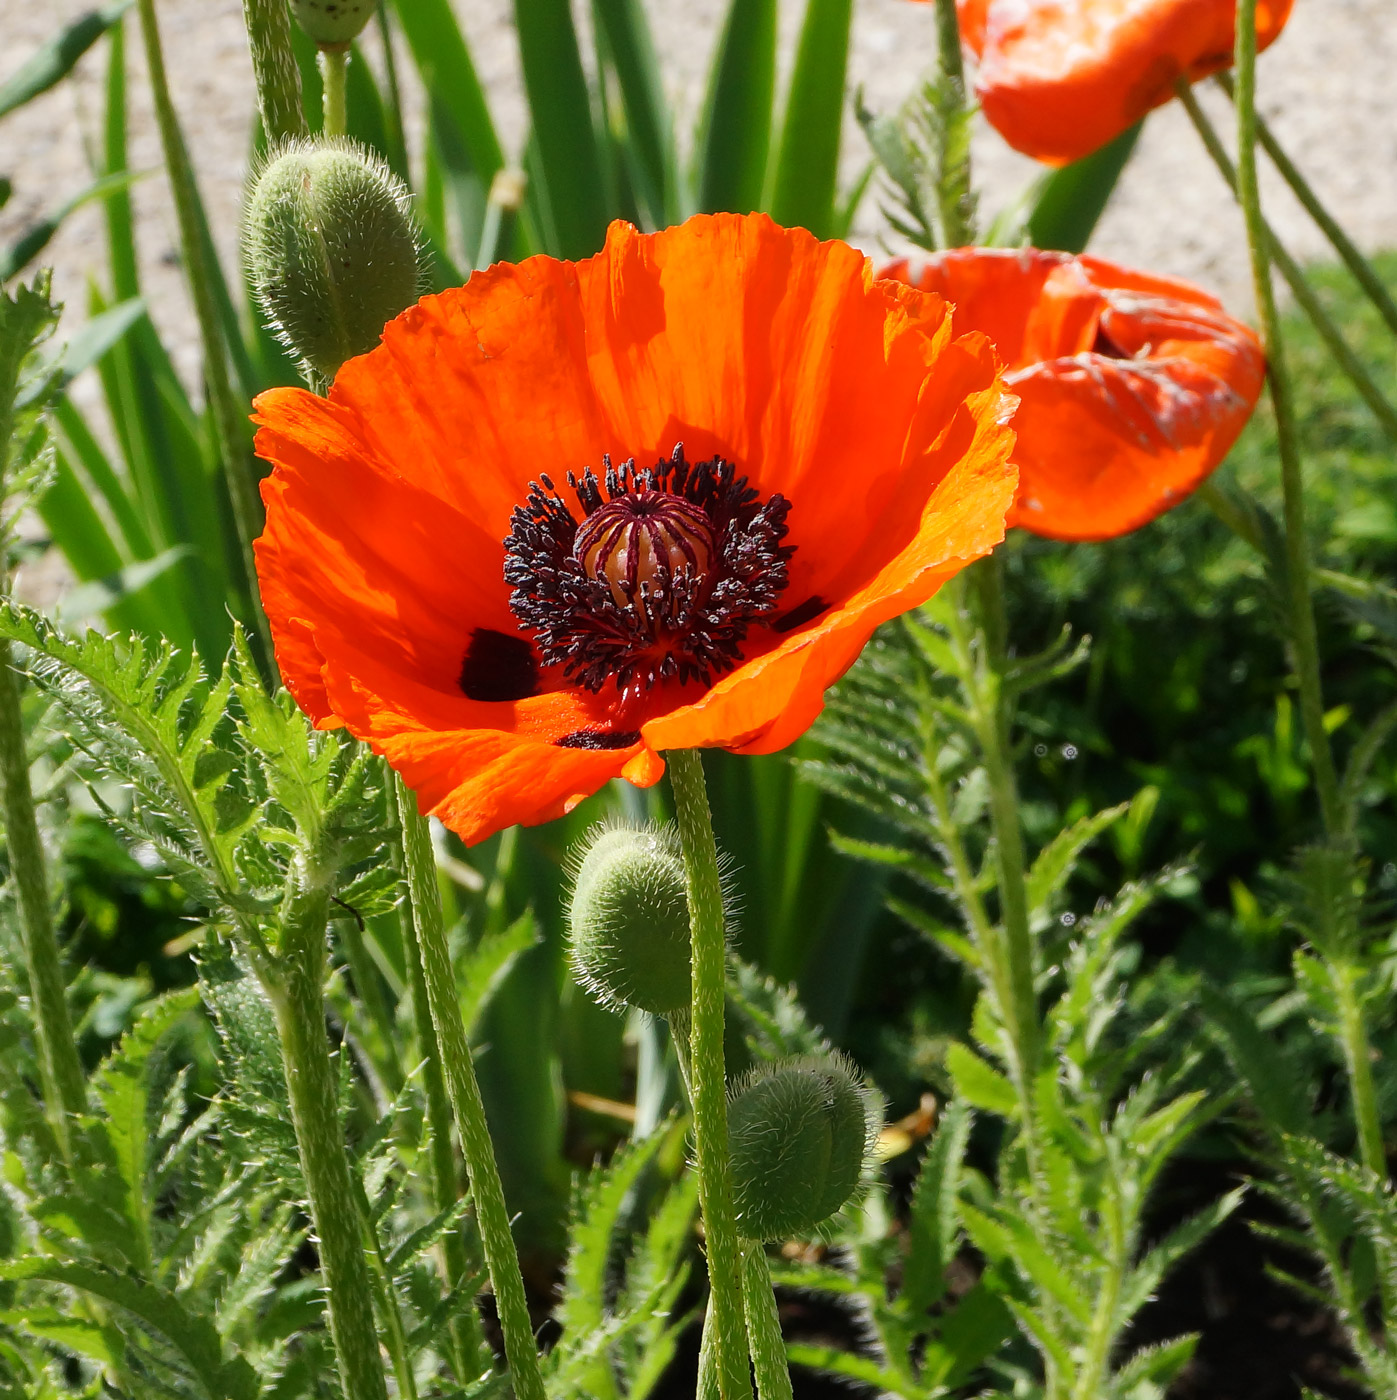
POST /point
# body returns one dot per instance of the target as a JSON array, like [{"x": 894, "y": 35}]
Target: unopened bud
[
  {"x": 333, "y": 22},
  {"x": 629, "y": 920},
  {"x": 331, "y": 248},
  {"x": 799, "y": 1133}
]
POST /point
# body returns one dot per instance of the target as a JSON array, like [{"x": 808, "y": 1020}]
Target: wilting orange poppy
[
  {"x": 1131, "y": 388},
  {"x": 1060, "y": 78},
  {"x": 571, "y": 515}
]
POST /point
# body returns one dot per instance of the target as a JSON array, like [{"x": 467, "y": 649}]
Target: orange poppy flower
[
  {"x": 571, "y": 515},
  {"x": 1058, "y": 79},
  {"x": 1131, "y": 388}
]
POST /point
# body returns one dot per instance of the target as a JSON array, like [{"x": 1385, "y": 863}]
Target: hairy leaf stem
[
  {"x": 990, "y": 716},
  {"x": 60, "y": 1070},
  {"x": 1303, "y": 636},
  {"x": 229, "y": 414},
  {"x": 334, "y": 64},
  {"x": 1342, "y": 244},
  {"x": 298, "y": 1000},
  {"x": 492, "y": 1215},
  {"x": 274, "y": 67},
  {"x": 764, "y": 1325},
  {"x": 1358, "y": 1060},
  {"x": 707, "y": 1079}
]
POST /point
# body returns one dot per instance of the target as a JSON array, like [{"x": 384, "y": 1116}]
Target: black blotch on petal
[
  {"x": 1104, "y": 346},
  {"x": 798, "y": 616},
  {"x": 598, "y": 739},
  {"x": 498, "y": 667}
]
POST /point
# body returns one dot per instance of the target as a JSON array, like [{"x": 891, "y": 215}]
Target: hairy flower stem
[
  {"x": 1303, "y": 637},
  {"x": 1353, "y": 368},
  {"x": 707, "y": 1077},
  {"x": 953, "y": 187},
  {"x": 274, "y": 67},
  {"x": 764, "y": 1325},
  {"x": 298, "y": 999},
  {"x": 492, "y": 1215},
  {"x": 334, "y": 63},
  {"x": 60, "y": 1069},
  {"x": 447, "y": 1189},
  {"x": 229, "y": 414},
  {"x": 1342, "y": 244}
]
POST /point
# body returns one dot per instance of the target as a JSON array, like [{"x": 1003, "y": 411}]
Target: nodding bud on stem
[
  {"x": 331, "y": 247},
  {"x": 800, "y": 1131},
  {"x": 333, "y": 22},
  {"x": 629, "y": 920}
]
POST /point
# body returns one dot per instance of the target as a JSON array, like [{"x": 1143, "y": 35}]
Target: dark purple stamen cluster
[{"x": 657, "y": 576}]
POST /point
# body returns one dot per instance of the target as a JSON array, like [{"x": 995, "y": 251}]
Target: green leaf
[
  {"x": 1008, "y": 1236},
  {"x": 480, "y": 971},
  {"x": 53, "y": 61},
  {"x": 1058, "y": 859},
  {"x": 1183, "y": 1239},
  {"x": 641, "y": 82},
  {"x": 91, "y": 342},
  {"x": 561, "y": 110},
  {"x": 807, "y": 167},
  {"x": 1073, "y": 199},
  {"x": 932, "y": 1229},
  {"x": 36, "y": 237},
  {"x": 734, "y": 137},
  {"x": 979, "y": 1083},
  {"x": 191, "y": 1334}
]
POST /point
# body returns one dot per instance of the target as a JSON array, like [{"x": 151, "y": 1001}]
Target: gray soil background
[{"x": 1328, "y": 85}]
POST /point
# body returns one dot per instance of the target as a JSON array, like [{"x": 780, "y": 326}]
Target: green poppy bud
[
  {"x": 331, "y": 22},
  {"x": 331, "y": 248},
  {"x": 629, "y": 920},
  {"x": 799, "y": 1132}
]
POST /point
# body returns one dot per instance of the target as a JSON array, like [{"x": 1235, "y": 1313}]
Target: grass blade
[
  {"x": 807, "y": 169},
  {"x": 566, "y": 138},
  {"x": 734, "y": 139}
]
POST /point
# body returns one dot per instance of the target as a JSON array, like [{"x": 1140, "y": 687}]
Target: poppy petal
[
  {"x": 1058, "y": 79},
  {"x": 1132, "y": 388}
]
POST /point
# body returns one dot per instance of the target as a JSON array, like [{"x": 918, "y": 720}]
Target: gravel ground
[{"x": 1326, "y": 84}]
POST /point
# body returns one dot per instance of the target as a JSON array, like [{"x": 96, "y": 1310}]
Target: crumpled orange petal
[
  {"x": 390, "y": 499},
  {"x": 1058, "y": 79},
  {"x": 1131, "y": 388}
]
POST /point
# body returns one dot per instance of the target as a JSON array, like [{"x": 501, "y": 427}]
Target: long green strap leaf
[
  {"x": 53, "y": 61},
  {"x": 807, "y": 169},
  {"x": 442, "y": 58},
  {"x": 1074, "y": 198},
  {"x": 638, "y": 74},
  {"x": 734, "y": 139},
  {"x": 561, "y": 108}
]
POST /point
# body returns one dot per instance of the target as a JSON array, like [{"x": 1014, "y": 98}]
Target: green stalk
[
  {"x": 297, "y": 996},
  {"x": 229, "y": 413},
  {"x": 1342, "y": 244},
  {"x": 501, "y": 1257},
  {"x": 334, "y": 64},
  {"x": 60, "y": 1070},
  {"x": 446, "y": 1186},
  {"x": 990, "y": 716},
  {"x": 1303, "y": 636},
  {"x": 707, "y": 933},
  {"x": 764, "y": 1325},
  {"x": 1358, "y": 1059},
  {"x": 274, "y": 67},
  {"x": 953, "y": 187},
  {"x": 1305, "y": 297}
]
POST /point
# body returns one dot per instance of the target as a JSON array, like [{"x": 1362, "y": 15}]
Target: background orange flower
[
  {"x": 1132, "y": 388},
  {"x": 382, "y": 564},
  {"x": 1058, "y": 79}
]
